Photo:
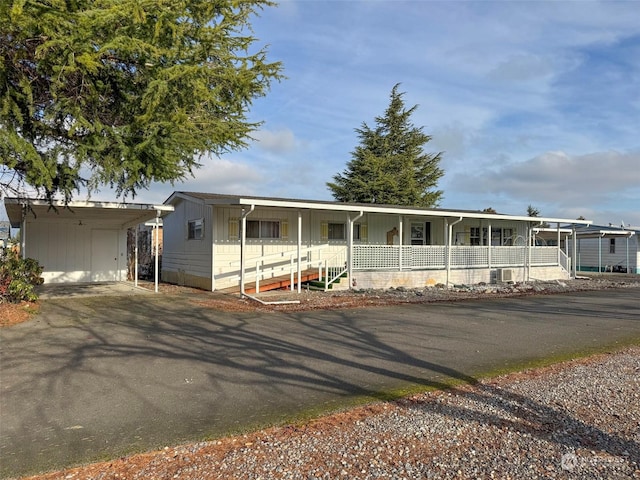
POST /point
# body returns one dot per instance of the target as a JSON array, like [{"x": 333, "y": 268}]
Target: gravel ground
[
  {"x": 341, "y": 299},
  {"x": 577, "y": 420}
]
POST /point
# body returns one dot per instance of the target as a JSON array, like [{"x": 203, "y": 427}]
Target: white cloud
[
  {"x": 558, "y": 176},
  {"x": 278, "y": 141}
]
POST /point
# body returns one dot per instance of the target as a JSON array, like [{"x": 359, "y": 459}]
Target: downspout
[
  {"x": 350, "y": 248},
  {"x": 449, "y": 235},
  {"x": 300, "y": 251},
  {"x": 243, "y": 239}
]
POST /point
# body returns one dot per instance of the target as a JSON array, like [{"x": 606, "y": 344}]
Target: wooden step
[{"x": 283, "y": 281}]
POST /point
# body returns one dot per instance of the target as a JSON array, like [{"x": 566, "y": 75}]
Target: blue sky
[{"x": 531, "y": 102}]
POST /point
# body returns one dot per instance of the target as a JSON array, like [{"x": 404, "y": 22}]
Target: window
[
  {"x": 337, "y": 231},
  {"x": 507, "y": 236},
  {"x": 195, "y": 230},
  {"x": 263, "y": 229},
  {"x": 612, "y": 245},
  {"x": 474, "y": 236},
  {"x": 501, "y": 237},
  {"x": 359, "y": 231}
]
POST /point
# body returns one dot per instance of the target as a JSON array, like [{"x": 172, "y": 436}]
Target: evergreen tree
[
  {"x": 390, "y": 166},
  {"x": 123, "y": 92}
]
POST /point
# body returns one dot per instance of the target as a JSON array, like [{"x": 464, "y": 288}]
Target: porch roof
[
  {"x": 118, "y": 214},
  {"x": 597, "y": 231},
  {"x": 242, "y": 200}
]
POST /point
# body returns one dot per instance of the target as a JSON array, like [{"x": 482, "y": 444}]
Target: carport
[{"x": 82, "y": 241}]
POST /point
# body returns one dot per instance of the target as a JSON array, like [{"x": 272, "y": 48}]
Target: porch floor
[{"x": 276, "y": 283}]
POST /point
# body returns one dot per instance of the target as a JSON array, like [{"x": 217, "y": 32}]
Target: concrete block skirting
[{"x": 427, "y": 278}]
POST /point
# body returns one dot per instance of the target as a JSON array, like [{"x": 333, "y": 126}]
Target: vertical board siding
[
  {"x": 64, "y": 249},
  {"x": 181, "y": 255}
]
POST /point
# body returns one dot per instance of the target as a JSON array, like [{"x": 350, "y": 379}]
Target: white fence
[{"x": 406, "y": 257}]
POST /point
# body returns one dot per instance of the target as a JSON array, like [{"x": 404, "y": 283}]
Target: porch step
[{"x": 318, "y": 284}]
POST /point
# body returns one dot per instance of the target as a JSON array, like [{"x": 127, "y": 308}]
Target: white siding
[
  {"x": 181, "y": 255},
  {"x": 588, "y": 257},
  {"x": 64, "y": 250}
]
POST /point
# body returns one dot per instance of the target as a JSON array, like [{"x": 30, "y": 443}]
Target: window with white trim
[
  {"x": 337, "y": 231},
  {"x": 501, "y": 237},
  {"x": 263, "y": 229},
  {"x": 195, "y": 229},
  {"x": 612, "y": 245},
  {"x": 474, "y": 236}
]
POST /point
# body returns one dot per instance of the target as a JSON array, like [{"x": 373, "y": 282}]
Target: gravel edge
[{"x": 573, "y": 420}]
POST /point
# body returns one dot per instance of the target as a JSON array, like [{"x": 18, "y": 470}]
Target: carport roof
[{"x": 116, "y": 213}]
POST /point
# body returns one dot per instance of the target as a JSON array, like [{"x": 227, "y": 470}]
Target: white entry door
[{"x": 104, "y": 255}]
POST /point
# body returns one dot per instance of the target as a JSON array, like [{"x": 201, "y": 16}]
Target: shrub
[{"x": 18, "y": 277}]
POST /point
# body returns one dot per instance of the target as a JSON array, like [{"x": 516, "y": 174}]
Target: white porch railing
[
  {"x": 281, "y": 263},
  {"x": 331, "y": 269},
  {"x": 407, "y": 257}
]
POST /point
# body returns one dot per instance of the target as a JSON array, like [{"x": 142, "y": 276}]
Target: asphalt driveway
[{"x": 96, "y": 377}]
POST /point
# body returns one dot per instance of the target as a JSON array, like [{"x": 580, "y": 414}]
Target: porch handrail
[
  {"x": 334, "y": 268},
  {"x": 278, "y": 255}
]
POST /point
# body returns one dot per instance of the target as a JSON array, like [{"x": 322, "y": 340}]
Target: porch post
[
  {"x": 449, "y": 235},
  {"x": 23, "y": 233},
  {"x": 489, "y": 244},
  {"x": 299, "y": 251},
  {"x": 527, "y": 260},
  {"x": 350, "y": 223},
  {"x": 400, "y": 224},
  {"x": 600, "y": 254},
  {"x": 243, "y": 241},
  {"x": 135, "y": 257},
  {"x": 558, "y": 239},
  {"x": 628, "y": 236},
  {"x": 157, "y": 248},
  {"x": 574, "y": 252}
]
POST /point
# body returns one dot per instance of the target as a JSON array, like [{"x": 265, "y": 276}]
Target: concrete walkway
[
  {"x": 94, "y": 377},
  {"x": 74, "y": 290}
]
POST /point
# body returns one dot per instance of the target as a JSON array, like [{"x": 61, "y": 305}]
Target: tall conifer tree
[{"x": 390, "y": 165}]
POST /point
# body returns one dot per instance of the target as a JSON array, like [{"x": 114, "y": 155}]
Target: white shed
[{"x": 81, "y": 241}]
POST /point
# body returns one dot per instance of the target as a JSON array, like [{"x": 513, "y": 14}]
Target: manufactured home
[
  {"x": 250, "y": 244},
  {"x": 609, "y": 248}
]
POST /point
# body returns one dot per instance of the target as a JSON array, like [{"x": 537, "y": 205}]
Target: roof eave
[{"x": 393, "y": 210}]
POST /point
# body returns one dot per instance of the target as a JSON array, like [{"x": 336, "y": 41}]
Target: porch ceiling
[{"x": 105, "y": 214}]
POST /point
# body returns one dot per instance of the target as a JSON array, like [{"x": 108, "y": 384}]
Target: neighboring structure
[
  {"x": 214, "y": 242},
  {"x": 81, "y": 241},
  {"x": 608, "y": 249}
]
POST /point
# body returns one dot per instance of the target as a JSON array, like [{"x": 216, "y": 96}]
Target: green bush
[{"x": 18, "y": 277}]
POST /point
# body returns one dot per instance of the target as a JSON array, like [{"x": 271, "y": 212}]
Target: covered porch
[{"x": 473, "y": 247}]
